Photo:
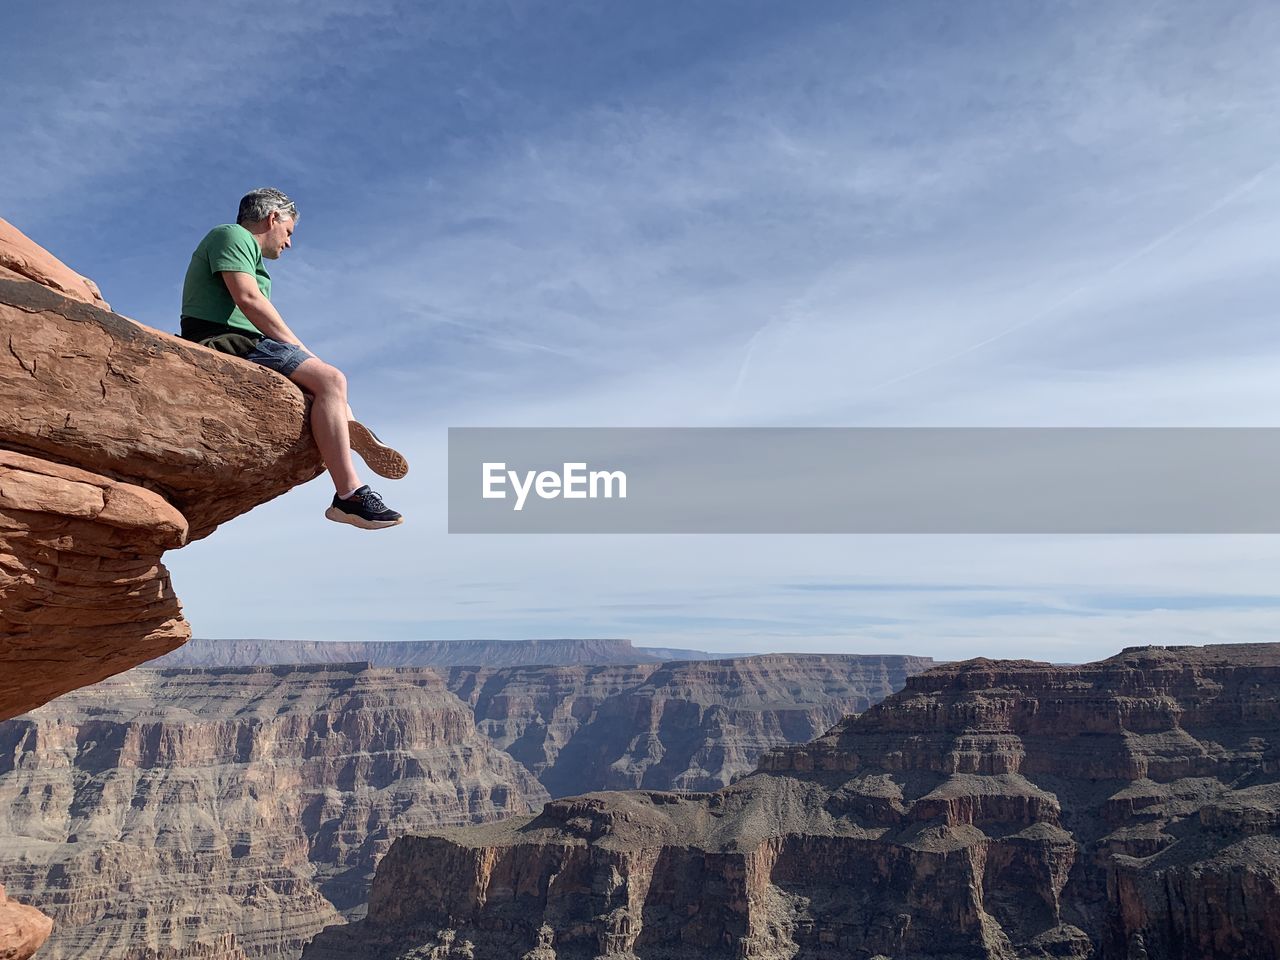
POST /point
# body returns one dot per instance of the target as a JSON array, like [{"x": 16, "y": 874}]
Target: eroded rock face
[
  {"x": 117, "y": 443},
  {"x": 233, "y": 813},
  {"x": 131, "y": 781},
  {"x": 82, "y": 593},
  {"x": 672, "y": 726},
  {"x": 1122, "y": 809}
]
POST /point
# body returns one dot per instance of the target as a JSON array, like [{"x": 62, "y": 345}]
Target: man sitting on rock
[{"x": 226, "y": 305}]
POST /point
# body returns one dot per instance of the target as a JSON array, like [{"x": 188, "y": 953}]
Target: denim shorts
[{"x": 283, "y": 358}]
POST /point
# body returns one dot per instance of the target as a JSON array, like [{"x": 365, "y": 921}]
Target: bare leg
[{"x": 329, "y": 415}]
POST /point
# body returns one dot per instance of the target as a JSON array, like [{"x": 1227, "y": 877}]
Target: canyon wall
[
  {"x": 1118, "y": 810},
  {"x": 193, "y": 813},
  {"x": 673, "y": 726}
]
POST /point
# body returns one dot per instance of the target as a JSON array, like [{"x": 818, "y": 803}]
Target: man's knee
[
  {"x": 337, "y": 380},
  {"x": 318, "y": 377}
]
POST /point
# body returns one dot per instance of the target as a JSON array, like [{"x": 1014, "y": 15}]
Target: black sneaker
[{"x": 363, "y": 509}]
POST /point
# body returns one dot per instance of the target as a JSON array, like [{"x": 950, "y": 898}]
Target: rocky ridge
[
  {"x": 1117, "y": 810},
  {"x": 201, "y": 652}
]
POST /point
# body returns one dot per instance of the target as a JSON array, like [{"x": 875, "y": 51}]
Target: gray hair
[{"x": 259, "y": 204}]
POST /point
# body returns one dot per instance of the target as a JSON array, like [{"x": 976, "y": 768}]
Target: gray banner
[{"x": 864, "y": 480}]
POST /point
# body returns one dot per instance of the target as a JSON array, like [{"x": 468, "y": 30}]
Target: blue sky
[{"x": 680, "y": 214}]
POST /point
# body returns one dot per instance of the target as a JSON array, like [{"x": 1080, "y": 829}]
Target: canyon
[
  {"x": 234, "y": 812},
  {"x": 225, "y": 809},
  {"x": 166, "y": 810},
  {"x": 1118, "y": 810},
  {"x": 689, "y": 725}
]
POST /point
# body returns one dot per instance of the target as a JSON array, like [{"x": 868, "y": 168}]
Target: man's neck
[{"x": 256, "y": 230}]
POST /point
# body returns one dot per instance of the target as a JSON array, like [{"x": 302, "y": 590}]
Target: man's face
[{"x": 279, "y": 236}]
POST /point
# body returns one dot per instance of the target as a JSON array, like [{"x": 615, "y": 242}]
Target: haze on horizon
[{"x": 683, "y": 215}]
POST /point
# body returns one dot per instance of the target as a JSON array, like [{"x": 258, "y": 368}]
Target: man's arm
[{"x": 244, "y": 291}]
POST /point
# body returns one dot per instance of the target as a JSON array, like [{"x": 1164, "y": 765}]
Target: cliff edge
[{"x": 117, "y": 443}]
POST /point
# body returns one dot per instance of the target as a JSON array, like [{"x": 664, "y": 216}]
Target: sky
[{"x": 697, "y": 214}]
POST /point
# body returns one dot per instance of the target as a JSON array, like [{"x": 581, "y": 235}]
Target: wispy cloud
[{"x": 681, "y": 214}]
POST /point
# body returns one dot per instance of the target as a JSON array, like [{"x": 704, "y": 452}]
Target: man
[{"x": 226, "y": 305}]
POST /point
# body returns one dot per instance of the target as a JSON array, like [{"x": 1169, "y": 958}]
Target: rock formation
[
  {"x": 415, "y": 653},
  {"x": 672, "y": 726},
  {"x": 22, "y": 929},
  {"x": 1115, "y": 810},
  {"x": 20, "y": 259},
  {"x": 199, "y": 785},
  {"x": 189, "y": 813},
  {"x": 117, "y": 443}
]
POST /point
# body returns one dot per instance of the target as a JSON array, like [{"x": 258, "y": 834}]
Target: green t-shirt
[{"x": 229, "y": 247}]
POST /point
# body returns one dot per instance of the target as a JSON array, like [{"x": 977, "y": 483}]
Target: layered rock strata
[
  {"x": 1120, "y": 810},
  {"x": 184, "y": 814},
  {"x": 84, "y": 594},
  {"x": 117, "y": 442},
  {"x": 140, "y": 774},
  {"x": 23, "y": 259},
  {"x": 672, "y": 726}
]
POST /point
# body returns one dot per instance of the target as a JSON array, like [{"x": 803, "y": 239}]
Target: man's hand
[{"x": 244, "y": 291}]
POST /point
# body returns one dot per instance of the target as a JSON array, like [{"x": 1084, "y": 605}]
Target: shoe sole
[
  {"x": 381, "y": 459},
  {"x": 340, "y": 516}
]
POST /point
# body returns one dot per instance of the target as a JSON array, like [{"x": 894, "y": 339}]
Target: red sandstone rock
[
  {"x": 213, "y": 434},
  {"x": 22, "y": 929},
  {"x": 21, "y": 258},
  {"x": 117, "y": 443},
  {"x": 84, "y": 596}
]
